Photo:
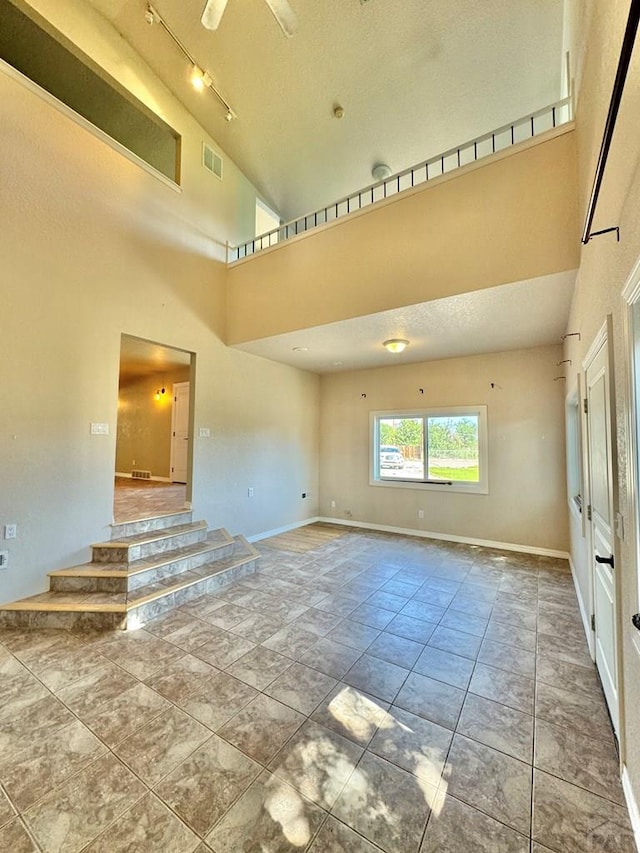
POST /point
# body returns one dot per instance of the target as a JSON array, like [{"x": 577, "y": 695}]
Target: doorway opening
[{"x": 155, "y": 385}]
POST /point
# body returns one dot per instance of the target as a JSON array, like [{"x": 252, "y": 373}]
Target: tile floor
[
  {"x": 133, "y": 499},
  {"x": 369, "y": 693}
]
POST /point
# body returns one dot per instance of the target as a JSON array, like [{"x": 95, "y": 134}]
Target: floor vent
[
  {"x": 141, "y": 475},
  {"x": 211, "y": 161}
]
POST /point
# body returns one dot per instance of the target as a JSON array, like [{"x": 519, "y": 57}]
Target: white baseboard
[
  {"x": 287, "y": 527},
  {"x": 632, "y": 805},
  {"x": 157, "y": 479},
  {"x": 446, "y": 537},
  {"x": 586, "y": 617}
]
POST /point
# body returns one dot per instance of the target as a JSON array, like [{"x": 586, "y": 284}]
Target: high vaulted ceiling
[{"x": 414, "y": 77}]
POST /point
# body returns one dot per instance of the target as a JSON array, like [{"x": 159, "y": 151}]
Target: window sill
[{"x": 443, "y": 488}]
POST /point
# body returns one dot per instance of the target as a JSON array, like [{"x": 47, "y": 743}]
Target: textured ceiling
[
  {"x": 414, "y": 77},
  {"x": 526, "y": 314},
  {"x": 140, "y": 358}
]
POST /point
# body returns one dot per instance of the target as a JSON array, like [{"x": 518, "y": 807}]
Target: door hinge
[
  {"x": 589, "y": 513},
  {"x": 585, "y": 406},
  {"x": 593, "y": 621}
]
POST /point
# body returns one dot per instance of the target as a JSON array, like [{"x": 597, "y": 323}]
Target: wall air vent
[
  {"x": 211, "y": 161},
  {"x": 140, "y": 475}
]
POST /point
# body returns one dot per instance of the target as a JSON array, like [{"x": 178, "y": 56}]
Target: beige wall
[
  {"x": 605, "y": 266},
  {"x": 91, "y": 247},
  {"x": 144, "y": 424},
  {"x": 507, "y": 220},
  {"x": 526, "y": 504}
]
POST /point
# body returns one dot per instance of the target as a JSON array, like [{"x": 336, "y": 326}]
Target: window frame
[{"x": 459, "y": 487}]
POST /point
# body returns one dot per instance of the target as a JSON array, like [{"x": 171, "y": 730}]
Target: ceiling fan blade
[
  {"x": 284, "y": 15},
  {"x": 213, "y": 13}
]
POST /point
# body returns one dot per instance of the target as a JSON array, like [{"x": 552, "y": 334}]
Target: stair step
[
  {"x": 75, "y": 609},
  {"x": 146, "y": 523},
  {"x": 120, "y": 577},
  {"x": 139, "y": 545}
]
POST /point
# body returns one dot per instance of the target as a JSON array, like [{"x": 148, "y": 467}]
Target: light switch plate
[
  {"x": 10, "y": 531},
  {"x": 204, "y": 432},
  {"x": 99, "y": 429},
  {"x": 4, "y": 559}
]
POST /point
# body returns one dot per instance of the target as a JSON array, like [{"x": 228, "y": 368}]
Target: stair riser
[
  {"x": 62, "y": 584},
  {"x": 146, "y": 612},
  {"x": 130, "y": 553},
  {"x": 145, "y": 525},
  {"x": 39, "y": 619},
  {"x": 183, "y": 564}
]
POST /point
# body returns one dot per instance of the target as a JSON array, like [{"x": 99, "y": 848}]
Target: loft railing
[{"x": 483, "y": 146}]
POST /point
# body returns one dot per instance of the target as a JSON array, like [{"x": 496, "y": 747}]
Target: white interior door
[
  {"x": 180, "y": 432},
  {"x": 600, "y": 464}
]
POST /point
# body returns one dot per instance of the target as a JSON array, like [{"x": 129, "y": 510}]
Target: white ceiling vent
[{"x": 211, "y": 160}]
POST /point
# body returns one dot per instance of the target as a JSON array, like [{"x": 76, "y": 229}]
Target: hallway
[{"x": 360, "y": 692}]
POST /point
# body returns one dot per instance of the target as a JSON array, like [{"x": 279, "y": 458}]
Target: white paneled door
[
  {"x": 600, "y": 465},
  {"x": 180, "y": 432}
]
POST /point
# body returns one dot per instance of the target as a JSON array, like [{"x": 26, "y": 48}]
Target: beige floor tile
[
  {"x": 387, "y": 805},
  {"x": 270, "y": 816},
  {"x": 15, "y": 838},
  {"x": 301, "y": 687},
  {"x": 46, "y": 763},
  {"x": 148, "y": 826},
  {"x": 317, "y": 762},
  {"x": 159, "y": 746},
  {"x": 569, "y": 819},
  {"x": 455, "y": 827},
  {"x": 76, "y": 812},
  {"x": 219, "y": 699},
  {"x": 262, "y": 727},
  {"x": 202, "y": 787},
  {"x": 491, "y": 781}
]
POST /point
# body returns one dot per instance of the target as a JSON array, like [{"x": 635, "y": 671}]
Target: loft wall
[{"x": 511, "y": 218}]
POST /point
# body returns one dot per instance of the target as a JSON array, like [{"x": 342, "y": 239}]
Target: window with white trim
[{"x": 443, "y": 449}]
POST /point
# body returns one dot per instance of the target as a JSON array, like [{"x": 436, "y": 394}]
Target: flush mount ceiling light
[
  {"x": 380, "y": 172},
  {"x": 396, "y": 345},
  {"x": 301, "y": 349}
]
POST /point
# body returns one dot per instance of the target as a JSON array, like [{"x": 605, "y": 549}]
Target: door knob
[{"x": 608, "y": 560}]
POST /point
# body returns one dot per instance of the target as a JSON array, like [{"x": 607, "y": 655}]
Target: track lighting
[{"x": 200, "y": 78}]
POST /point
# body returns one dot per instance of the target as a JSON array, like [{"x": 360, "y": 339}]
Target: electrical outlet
[
  {"x": 250, "y": 491},
  {"x": 304, "y": 494},
  {"x": 205, "y": 432},
  {"x": 10, "y": 531},
  {"x": 420, "y": 513},
  {"x": 333, "y": 504},
  {"x": 4, "y": 559}
]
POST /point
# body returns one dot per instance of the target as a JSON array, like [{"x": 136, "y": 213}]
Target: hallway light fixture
[
  {"x": 396, "y": 345},
  {"x": 160, "y": 392}
]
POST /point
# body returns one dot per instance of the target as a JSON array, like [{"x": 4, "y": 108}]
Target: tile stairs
[{"x": 147, "y": 567}]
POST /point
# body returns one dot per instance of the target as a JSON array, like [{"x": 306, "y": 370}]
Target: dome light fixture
[
  {"x": 396, "y": 345},
  {"x": 380, "y": 172}
]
